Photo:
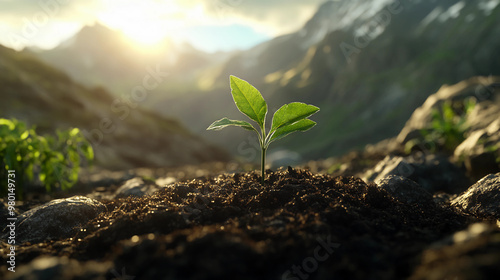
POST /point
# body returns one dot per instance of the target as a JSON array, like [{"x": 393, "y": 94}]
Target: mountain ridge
[
  {"x": 129, "y": 137},
  {"x": 366, "y": 92},
  {"x": 369, "y": 96},
  {"x": 100, "y": 56}
]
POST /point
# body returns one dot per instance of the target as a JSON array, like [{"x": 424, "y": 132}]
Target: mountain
[
  {"x": 367, "y": 64},
  {"x": 122, "y": 133},
  {"x": 100, "y": 56}
]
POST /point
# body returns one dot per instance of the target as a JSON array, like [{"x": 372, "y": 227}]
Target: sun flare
[
  {"x": 144, "y": 23},
  {"x": 143, "y": 34}
]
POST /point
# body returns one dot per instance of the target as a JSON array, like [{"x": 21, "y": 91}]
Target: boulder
[
  {"x": 484, "y": 113},
  {"x": 404, "y": 189},
  {"x": 482, "y": 199},
  {"x": 480, "y": 152},
  {"x": 432, "y": 172},
  {"x": 57, "y": 219},
  {"x": 136, "y": 187}
]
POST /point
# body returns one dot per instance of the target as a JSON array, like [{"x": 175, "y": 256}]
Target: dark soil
[{"x": 299, "y": 225}]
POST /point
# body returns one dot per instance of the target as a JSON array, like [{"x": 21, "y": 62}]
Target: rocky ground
[
  {"x": 299, "y": 225},
  {"x": 390, "y": 211}
]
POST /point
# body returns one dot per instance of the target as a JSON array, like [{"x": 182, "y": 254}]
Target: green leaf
[
  {"x": 74, "y": 132},
  {"x": 224, "y": 122},
  {"x": 88, "y": 152},
  {"x": 42, "y": 177},
  {"x": 448, "y": 113},
  {"x": 301, "y": 125},
  {"x": 25, "y": 135},
  {"x": 290, "y": 113},
  {"x": 248, "y": 100},
  {"x": 8, "y": 123}
]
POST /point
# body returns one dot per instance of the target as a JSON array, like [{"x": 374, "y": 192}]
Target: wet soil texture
[{"x": 299, "y": 225}]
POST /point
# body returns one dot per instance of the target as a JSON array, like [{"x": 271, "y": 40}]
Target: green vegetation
[
  {"x": 447, "y": 129},
  {"x": 54, "y": 160},
  {"x": 289, "y": 118}
]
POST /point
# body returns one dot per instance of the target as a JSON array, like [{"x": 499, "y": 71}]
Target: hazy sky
[{"x": 208, "y": 24}]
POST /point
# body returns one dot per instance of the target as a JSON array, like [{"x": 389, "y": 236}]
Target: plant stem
[{"x": 263, "y": 164}]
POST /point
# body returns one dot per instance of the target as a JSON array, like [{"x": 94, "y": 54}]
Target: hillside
[
  {"x": 123, "y": 135},
  {"x": 368, "y": 96},
  {"x": 368, "y": 86},
  {"x": 367, "y": 64}
]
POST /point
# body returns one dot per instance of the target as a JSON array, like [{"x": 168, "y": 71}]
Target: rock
[
  {"x": 165, "y": 181},
  {"x": 485, "y": 112},
  {"x": 63, "y": 268},
  {"x": 434, "y": 173},
  {"x": 473, "y": 231},
  {"x": 136, "y": 187},
  {"x": 390, "y": 166},
  {"x": 481, "y": 199},
  {"x": 472, "y": 253},
  {"x": 480, "y": 152},
  {"x": 57, "y": 219},
  {"x": 404, "y": 189}
]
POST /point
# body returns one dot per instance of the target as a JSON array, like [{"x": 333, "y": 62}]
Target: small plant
[
  {"x": 289, "y": 118},
  {"x": 56, "y": 160},
  {"x": 447, "y": 128}
]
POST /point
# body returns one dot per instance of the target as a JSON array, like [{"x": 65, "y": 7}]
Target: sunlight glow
[
  {"x": 146, "y": 23},
  {"x": 146, "y": 34},
  {"x": 149, "y": 23}
]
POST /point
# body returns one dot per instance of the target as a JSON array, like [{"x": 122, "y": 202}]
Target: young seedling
[{"x": 289, "y": 118}]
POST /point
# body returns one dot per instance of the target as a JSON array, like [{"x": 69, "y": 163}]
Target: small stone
[
  {"x": 135, "y": 187},
  {"x": 481, "y": 199},
  {"x": 165, "y": 181},
  {"x": 57, "y": 219},
  {"x": 473, "y": 231},
  {"x": 433, "y": 173},
  {"x": 479, "y": 152},
  {"x": 404, "y": 189}
]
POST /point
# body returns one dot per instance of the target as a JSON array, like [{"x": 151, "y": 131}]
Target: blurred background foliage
[{"x": 53, "y": 161}]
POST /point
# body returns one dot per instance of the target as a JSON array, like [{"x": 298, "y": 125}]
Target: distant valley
[{"x": 367, "y": 64}]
